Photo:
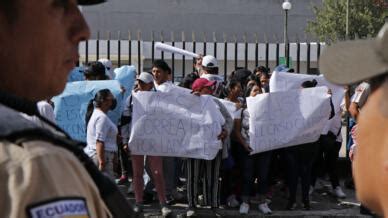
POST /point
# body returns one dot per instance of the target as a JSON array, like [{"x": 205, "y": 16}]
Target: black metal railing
[{"x": 244, "y": 54}]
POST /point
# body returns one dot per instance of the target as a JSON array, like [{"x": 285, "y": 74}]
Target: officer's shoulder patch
[{"x": 63, "y": 207}]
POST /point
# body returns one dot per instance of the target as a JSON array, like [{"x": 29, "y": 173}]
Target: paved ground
[{"x": 323, "y": 204}]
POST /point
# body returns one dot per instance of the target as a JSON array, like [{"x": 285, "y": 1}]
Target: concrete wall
[{"x": 219, "y": 16}]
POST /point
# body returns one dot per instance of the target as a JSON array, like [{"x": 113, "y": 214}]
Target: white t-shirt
[
  {"x": 46, "y": 110},
  {"x": 100, "y": 128},
  {"x": 164, "y": 87}
]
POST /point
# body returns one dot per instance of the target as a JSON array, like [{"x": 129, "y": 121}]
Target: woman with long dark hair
[{"x": 101, "y": 132}]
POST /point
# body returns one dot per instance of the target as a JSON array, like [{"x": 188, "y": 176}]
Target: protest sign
[
  {"x": 76, "y": 74},
  {"x": 281, "y": 81},
  {"x": 70, "y": 106},
  {"x": 126, "y": 76},
  {"x": 284, "y": 119},
  {"x": 175, "y": 123}
]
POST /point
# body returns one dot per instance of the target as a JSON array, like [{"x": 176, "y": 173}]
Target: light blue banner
[
  {"x": 77, "y": 74},
  {"x": 126, "y": 76},
  {"x": 70, "y": 106}
]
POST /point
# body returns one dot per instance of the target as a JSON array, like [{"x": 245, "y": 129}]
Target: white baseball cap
[
  {"x": 146, "y": 77},
  {"x": 209, "y": 61}
]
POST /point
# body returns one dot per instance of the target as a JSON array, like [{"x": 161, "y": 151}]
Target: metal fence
[{"x": 232, "y": 52}]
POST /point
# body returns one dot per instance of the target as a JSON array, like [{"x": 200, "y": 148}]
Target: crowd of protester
[{"x": 234, "y": 178}]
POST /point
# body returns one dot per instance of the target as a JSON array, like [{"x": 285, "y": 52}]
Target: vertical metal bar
[
  {"x": 86, "y": 51},
  {"x": 172, "y": 57},
  {"x": 245, "y": 51},
  {"x": 318, "y": 50},
  {"x": 183, "y": 57},
  {"x": 162, "y": 40},
  {"x": 215, "y": 45},
  {"x": 277, "y": 51},
  {"x": 129, "y": 48},
  {"x": 98, "y": 46},
  {"x": 225, "y": 56},
  {"x": 152, "y": 46},
  {"x": 139, "y": 70},
  {"x": 298, "y": 56},
  {"x": 256, "y": 50},
  {"x": 108, "y": 47},
  {"x": 347, "y": 20},
  {"x": 266, "y": 51},
  {"x": 119, "y": 49},
  {"x": 286, "y": 43},
  {"x": 194, "y": 48},
  {"x": 235, "y": 52},
  {"x": 308, "y": 57},
  {"x": 204, "y": 44},
  {"x": 288, "y": 55}
]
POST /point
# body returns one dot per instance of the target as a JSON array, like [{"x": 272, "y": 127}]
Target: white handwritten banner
[
  {"x": 283, "y": 119},
  {"x": 175, "y": 123},
  {"x": 281, "y": 81},
  {"x": 70, "y": 106}
]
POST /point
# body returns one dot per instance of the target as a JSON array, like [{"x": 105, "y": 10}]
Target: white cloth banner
[
  {"x": 287, "y": 81},
  {"x": 175, "y": 123},
  {"x": 283, "y": 119}
]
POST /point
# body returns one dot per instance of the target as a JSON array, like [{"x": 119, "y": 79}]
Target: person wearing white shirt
[
  {"x": 155, "y": 163},
  {"x": 162, "y": 72},
  {"x": 101, "y": 132},
  {"x": 45, "y": 110},
  {"x": 210, "y": 72}
]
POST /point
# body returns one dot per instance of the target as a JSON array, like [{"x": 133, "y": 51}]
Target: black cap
[{"x": 90, "y": 2}]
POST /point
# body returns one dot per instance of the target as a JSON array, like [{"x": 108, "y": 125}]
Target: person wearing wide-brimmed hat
[{"x": 354, "y": 61}]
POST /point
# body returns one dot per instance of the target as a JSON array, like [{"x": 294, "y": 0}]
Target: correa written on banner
[
  {"x": 284, "y": 119},
  {"x": 70, "y": 106},
  {"x": 175, "y": 123}
]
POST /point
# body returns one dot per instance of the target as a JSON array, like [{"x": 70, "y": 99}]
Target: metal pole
[
  {"x": 183, "y": 57},
  {"x": 347, "y": 20},
  {"x": 119, "y": 49},
  {"x": 286, "y": 37}
]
